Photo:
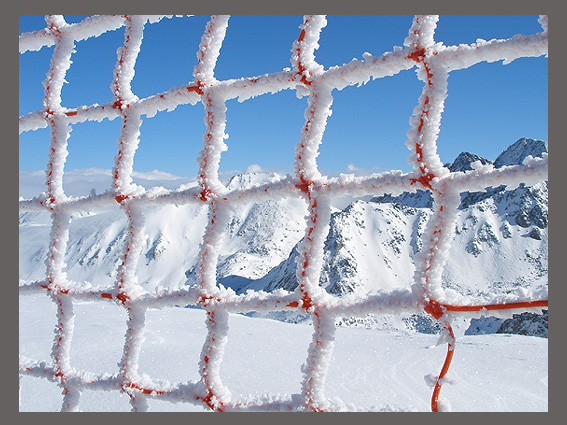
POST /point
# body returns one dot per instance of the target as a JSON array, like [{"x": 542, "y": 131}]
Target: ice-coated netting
[{"x": 433, "y": 61}]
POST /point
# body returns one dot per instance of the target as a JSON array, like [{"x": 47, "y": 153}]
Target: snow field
[{"x": 370, "y": 369}]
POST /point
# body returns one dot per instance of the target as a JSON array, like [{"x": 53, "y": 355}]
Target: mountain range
[{"x": 500, "y": 244}]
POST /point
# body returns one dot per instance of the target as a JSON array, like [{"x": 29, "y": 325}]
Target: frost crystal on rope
[{"x": 433, "y": 62}]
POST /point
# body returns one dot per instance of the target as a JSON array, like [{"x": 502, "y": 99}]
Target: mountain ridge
[{"x": 500, "y": 242}]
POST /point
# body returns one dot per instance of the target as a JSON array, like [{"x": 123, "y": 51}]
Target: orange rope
[
  {"x": 444, "y": 369},
  {"x": 437, "y": 310}
]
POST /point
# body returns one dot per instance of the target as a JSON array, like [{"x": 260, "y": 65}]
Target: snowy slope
[
  {"x": 257, "y": 238},
  {"x": 371, "y": 369}
]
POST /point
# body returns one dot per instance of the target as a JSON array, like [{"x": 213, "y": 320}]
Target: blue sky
[{"x": 489, "y": 106}]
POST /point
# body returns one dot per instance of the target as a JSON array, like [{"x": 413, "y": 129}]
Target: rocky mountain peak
[
  {"x": 517, "y": 152},
  {"x": 464, "y": 160}
]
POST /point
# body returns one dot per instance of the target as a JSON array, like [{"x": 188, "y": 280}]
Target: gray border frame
[{"x": 552, "y": 8}]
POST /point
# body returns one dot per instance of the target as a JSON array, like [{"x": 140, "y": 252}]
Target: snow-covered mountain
[{"x": 500, "y": 242}]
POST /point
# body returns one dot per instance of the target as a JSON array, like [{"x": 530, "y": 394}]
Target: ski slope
[{"x": 371, "y": 370}]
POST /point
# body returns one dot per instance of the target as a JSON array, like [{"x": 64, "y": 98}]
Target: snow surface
[{"x": 387, "y": 371}]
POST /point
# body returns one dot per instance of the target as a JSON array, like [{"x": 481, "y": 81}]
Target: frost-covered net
[{"x": 434, "y": 62}]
